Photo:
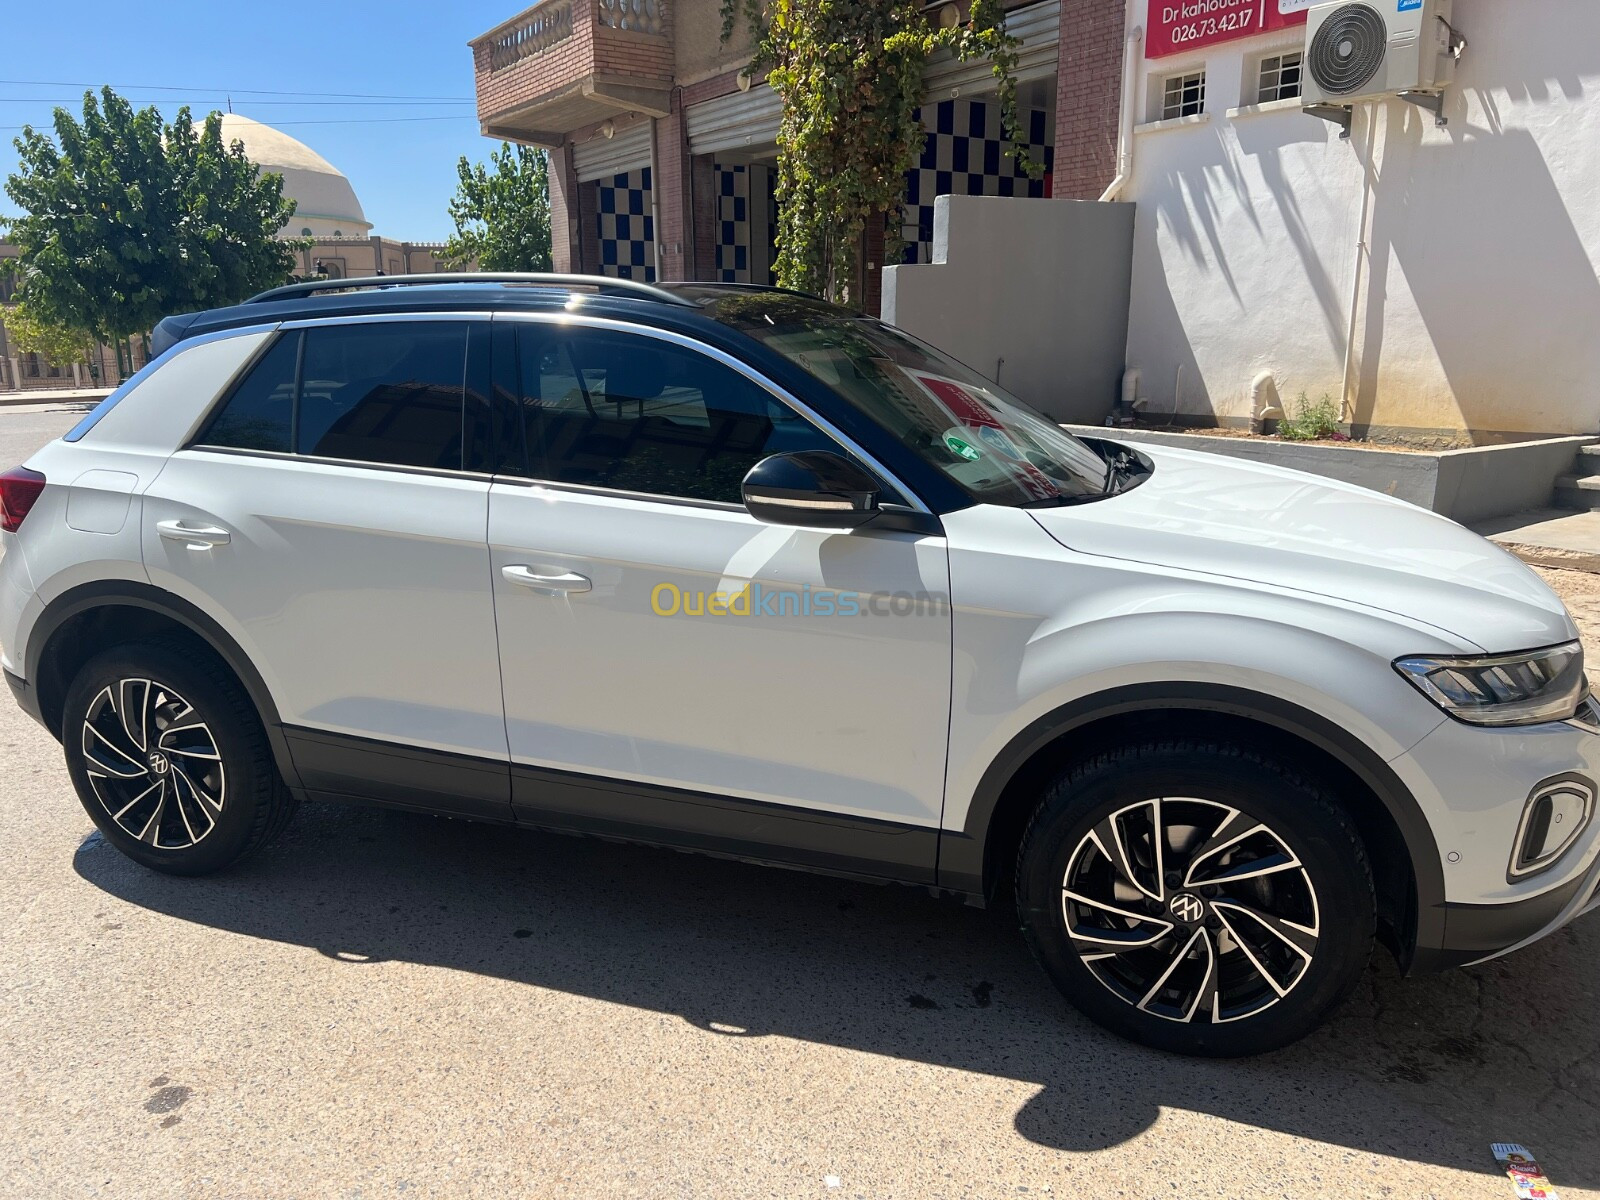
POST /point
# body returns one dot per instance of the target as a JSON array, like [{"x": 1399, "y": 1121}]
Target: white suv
[{"x": 731, "y": 570}]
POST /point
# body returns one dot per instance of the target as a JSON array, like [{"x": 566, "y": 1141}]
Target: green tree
[
  {"x": 850, "y": 76},
  {"x": 502, "y": 214},
  {"x": 127, "y": 219},
  {"x": 56, "y": 344}
]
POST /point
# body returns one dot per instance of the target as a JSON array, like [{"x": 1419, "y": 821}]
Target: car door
[
  {"x": 330, "y": 516},
  {"x": 674, "y": 668}
]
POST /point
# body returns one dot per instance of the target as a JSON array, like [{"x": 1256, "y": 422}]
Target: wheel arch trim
[
  {"x": 963, "y": 853},
  {"x": 131, "y": 594}
]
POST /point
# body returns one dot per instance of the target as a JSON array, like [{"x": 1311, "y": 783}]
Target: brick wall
[
  {"x": 590, "y": 49},
  {"x": 626, "y": 52},
  {"x": 674, "y": 196},
  {"x": 520, "y": 83},
  {"x": 588, "y": 242},
  {"x": 565, "y": 253},
  {"x": 703, "y": 207},
  {"x": 1088, "y": 97}
]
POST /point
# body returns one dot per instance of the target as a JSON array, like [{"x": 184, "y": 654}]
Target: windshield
[{"x": 991, "y": 444}]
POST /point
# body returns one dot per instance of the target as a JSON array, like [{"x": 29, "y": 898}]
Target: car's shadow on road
[{"x": 1428, "y": 1069}]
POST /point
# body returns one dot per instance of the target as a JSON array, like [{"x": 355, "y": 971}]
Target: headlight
[{"x": 1509, "y": 689}]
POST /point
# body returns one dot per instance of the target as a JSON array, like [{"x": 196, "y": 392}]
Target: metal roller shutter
[
  {"x": 602, "y": 158},
  {"x": 739, "y": 121},
  {"x": 748, "y": 121},
  {"x": 1039, "y": 28}
]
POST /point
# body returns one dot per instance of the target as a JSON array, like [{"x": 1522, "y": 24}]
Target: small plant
[{"x": 1312, "y": 422}]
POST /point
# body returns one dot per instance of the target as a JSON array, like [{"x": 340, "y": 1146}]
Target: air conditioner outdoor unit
[{"x": 1356, "y": 50}]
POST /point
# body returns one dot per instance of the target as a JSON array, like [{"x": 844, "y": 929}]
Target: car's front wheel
[
  {"x": 170, "y": 759},
  {"x": 1196, "y": 896}
]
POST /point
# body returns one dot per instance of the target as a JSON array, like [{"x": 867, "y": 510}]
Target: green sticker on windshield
[{"x": 962, "y": 448}]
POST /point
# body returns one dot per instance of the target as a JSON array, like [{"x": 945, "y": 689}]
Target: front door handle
[
  {"x": 196, "y": 537},
  {"x": 548, "y": 584}
]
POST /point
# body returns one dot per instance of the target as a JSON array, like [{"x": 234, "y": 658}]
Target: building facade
[
  {"x": 664, "y": 150},
  {"x": 1437, "y": 281}
]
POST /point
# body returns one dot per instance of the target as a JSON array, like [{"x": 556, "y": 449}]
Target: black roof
[
  {"x": 723, "y": 315},
  {"x": 667, "y": 304}
]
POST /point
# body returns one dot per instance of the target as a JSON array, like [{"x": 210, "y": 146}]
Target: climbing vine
[{"x": 850, "y": 76}]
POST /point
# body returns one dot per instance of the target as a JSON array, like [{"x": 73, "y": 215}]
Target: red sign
[{"x": 1179, "y": 25}]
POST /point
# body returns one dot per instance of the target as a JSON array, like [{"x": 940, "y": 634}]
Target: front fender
[{"x": 1046, "y": 640}]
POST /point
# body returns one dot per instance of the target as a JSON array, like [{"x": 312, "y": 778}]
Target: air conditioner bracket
[
  {"x": 1340, "y": 114},
  {"x": 1431, "y": 101}
]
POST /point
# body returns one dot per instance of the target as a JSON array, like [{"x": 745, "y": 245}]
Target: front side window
[
  {"x": 995, "y": 448},
  {"x": 637, "y": 414},
  {"x": 1183, "y": 96},
  {"x": 383, "y": 393}
]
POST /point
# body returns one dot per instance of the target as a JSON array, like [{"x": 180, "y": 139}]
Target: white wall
[
  {"x": 1030, "y": 293},
  {"x": 1480, "y": 306}
]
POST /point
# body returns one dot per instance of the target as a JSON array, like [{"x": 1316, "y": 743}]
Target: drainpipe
[
  {"x": 655, "y": 200},
  {"x": 1347, "y": 400},
  {"x": 1130, "y": 82}
]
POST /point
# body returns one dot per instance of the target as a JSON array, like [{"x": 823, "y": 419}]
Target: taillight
[{"x": 20, "y": 490}]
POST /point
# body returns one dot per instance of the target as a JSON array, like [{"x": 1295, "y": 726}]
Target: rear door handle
[
  {"x": 547, "y": 584},
  {"x": 196, "y": 537}
]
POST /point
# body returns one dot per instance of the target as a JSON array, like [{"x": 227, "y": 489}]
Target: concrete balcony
[{"x": 565, "y": 64}]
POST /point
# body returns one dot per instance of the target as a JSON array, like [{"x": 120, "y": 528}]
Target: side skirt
[{"x": 339, "y": 767}]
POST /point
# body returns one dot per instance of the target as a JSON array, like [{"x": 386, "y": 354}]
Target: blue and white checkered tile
[
  {"x": 733, "y": 223},
  {"x": 626, "y": 228},
  {"x": 965, "y": 155}
]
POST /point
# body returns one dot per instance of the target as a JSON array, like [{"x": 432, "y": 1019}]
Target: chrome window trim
[
  {"x": 288, "y": 456},
  {"x": 914, "y": 501},
  {"x": 590, "y": 489},
  {"x": 387, "y": 318}
]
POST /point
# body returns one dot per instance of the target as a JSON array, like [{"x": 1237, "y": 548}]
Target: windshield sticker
[
  {"x": 981, "y": 429},
  {"x": 964, "y": 403},
  {"x": 960, "y": 447}
]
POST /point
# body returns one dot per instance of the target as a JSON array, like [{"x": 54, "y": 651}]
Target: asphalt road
[{"x": 386, "y": 1004}]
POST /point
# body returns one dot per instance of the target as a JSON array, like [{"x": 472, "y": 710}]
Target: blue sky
[{"x": 403, "y": 169}]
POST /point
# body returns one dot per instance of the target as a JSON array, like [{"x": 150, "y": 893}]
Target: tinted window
[
  {"x": 637, "y": 414},
  {"x": 384, "y": 393},
  {"x": 260, "y": 413}
]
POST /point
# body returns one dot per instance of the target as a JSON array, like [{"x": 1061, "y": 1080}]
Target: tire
[
  {"x": 170, "y": 759},
  {"x": 1270, "y": 912}
]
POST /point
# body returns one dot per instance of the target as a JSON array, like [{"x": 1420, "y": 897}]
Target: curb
[
  {"x": 1550, "y": 556},
  {"x": 21, "y": 399}
]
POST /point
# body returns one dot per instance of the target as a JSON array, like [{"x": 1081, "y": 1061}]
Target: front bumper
[
  {"x": 1473, "y": 785},
  {"x": 1475, "y": 933},
  {"x": 27, "y": 698}
]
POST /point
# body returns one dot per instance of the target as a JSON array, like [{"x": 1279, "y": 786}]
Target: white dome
[{"x": 327, "y": 204}]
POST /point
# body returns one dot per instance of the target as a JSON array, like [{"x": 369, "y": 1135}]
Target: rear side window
[
  {"x": 260, "y": 413},
  {"x": 384, "y": 393}
]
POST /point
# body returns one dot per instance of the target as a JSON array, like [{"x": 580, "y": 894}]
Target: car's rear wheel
[
  {"x": 1197, "y": 897},
  {"x": 170, "y": 760}
]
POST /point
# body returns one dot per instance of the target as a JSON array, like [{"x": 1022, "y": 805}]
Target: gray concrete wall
[
  {"x": 1031, "y": 293},
  {"x": 1464, "y": 485}
]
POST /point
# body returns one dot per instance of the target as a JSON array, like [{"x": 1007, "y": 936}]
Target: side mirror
[{"x": 812, "y": 487}]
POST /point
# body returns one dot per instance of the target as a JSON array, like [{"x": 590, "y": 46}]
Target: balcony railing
[
  {"x": 640, "y": 16},
  {"x": 541, "y": 27}
]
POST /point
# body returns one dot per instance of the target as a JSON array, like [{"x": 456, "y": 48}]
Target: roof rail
[{"x": 604, "y": 284}]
